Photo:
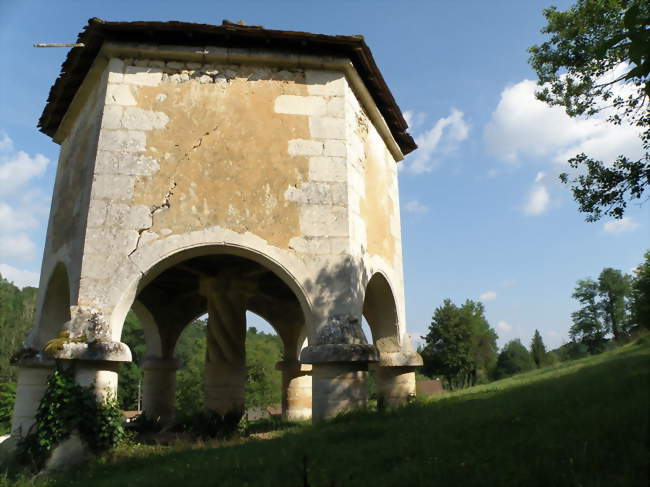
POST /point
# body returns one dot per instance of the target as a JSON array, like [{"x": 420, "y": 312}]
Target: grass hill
[{"x": 580, "y": 423}]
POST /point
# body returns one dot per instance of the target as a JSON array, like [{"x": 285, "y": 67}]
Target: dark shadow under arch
[{"x": 56, "y": 306}]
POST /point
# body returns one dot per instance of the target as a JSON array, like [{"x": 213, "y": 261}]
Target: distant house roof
[{"x": 80, "y": 59}]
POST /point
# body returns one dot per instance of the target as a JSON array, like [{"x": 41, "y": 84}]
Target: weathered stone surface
[{"x": 277, "y": 165}]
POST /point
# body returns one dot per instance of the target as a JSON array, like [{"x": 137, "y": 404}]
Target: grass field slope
[{"x": 581, "y": 423}]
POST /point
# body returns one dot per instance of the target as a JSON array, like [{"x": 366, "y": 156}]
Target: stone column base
[
  {"x": 224, "y": 388},
  {"x": 396, "y": 386},
  {"x": 159, "y": 389},
  {"x": 296, "y": 390},
  {"x": 339, "y": 387},
  {"x": 32, "y": 382}
]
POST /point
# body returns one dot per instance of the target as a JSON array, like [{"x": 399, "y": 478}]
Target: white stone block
[
  {"x": 131, "y": 217},
  {"x": 108, "y": 242},
  {"x": 122, "y": 141},
  {"x": 142, "y": 76},
  {"x": 334, "y": 148},
  {"x": 324, "y": 221},
  {"x": 327, "y": 169},
  {"x": 113, "y": 187},
  {"x": 300, "y": 105},
  {"x": 338, "y": 194},
  {"x": 97, "y": 213},
  {"x": 327, "y": 128},
  {"x": 106, "y": 162},
  {"x": 304, "y": 147},
  {"x": 310, "y": 245},
  {"x": 336, "y": 107},
  {"x": 325, "y": 83},
  {"x": 112, "y": 117},
  {"x": 137, "y": 164},
  {"x": 100, "y": 266},
  {"x": 309, "y": 193},
  {"x": 135, "y": 118},
  {"x": 119, "y": 95}
]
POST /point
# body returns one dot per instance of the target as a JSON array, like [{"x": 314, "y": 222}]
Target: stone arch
[
  {"x": 380, "y": 311},
  {"x": 55, "y": 310},
  {"x": 131, "y": 279}
]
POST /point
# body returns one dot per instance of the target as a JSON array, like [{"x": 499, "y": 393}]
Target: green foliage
[
  {"x": 131, "y": 373},
  {"x": 189, "y": 378},
  {"x": 16, "y": 317},
  {"x": 640, "y": 295},
  {"x": 263, "y": 381},
  {"x": 614, "y": 288},
  {"x": 513, "y": 359},
  {"x": 67, "y": 407},
  {"x": 538, "y": 350},
  {"x": 7, "y": 400},
  {"x": 579, "y": 68},
  {"x": 460, "y": 345},
  {"x": 604, "y": 304}
]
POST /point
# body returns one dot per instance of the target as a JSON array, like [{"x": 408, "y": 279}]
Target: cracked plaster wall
[{"x": 281, "y": 161}]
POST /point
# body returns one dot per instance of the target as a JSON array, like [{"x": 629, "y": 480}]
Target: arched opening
[
  {"x": 199, "y": 309},
  {"x": 56, "y": 307},
  {"x": 380, "y": 313},
  {"x": 380, "y": 325}
]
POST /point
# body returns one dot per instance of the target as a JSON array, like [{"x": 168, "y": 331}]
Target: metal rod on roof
[{"x": 60, "y": 44}]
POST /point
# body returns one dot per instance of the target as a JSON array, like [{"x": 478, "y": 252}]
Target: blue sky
[{"x": 483, "y": 215}]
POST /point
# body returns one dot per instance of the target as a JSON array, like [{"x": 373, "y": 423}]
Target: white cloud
[
  {"x": 12, "y": 219},
  {"x": 625, "y": 224},
  {"x": 17, "y": 245},
  {"x": 414, "y": 206},
  {"x": 488, "y": 296},
  {"x": 504, "y": 326},
  {"x": 414, "y": 119},
  {"x": 19, "y": 277},
  {"x": 441, "y": 139},
  {"x": 18, "y": 168},
  {"x": 552, "y": 333},
  {"x": 23, "y": 206},
  {"x": 523, "y": 126},
  {"x": 6, "y": 144},
  {"x": 538, "y": 200}
]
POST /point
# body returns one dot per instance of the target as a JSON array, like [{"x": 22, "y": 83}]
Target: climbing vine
[{"x": 66, "y": 408}]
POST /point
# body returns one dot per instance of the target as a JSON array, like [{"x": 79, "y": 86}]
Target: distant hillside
[
  {"x": 16, "y": 316},
  {"x": 580, "y": 423}
]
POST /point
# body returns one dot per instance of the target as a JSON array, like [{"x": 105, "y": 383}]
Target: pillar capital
[{"x": 341, "y": 352}]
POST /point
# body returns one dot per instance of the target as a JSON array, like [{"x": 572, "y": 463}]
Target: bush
[{"x": 66, "y": 408}]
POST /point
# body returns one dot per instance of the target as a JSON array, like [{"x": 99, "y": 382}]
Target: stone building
[{"x": 219, "y": 170}]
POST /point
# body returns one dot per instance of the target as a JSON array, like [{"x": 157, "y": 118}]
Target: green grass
[{"x": 582, "y": 423}]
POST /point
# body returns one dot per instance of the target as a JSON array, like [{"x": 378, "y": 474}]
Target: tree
[
  {"x": 598, "y": 58},
  {"x": 588, "y": 327},
  {"x": 614, "y": 288},
  {"x": 513, "y": 359},
  {"x": 460, "y": 344},
  {"x": 640, "y": 294},
  {"x": 538, "y": 350}
]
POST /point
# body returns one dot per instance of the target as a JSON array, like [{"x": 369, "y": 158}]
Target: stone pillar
[
  {"x": 396, "y": 386},
  {"x": 339, "y": 387},
  {"x": 32, "y": 382},
  {"x": 296, "y": 390},
  {"x": 225, "y": 358},
  {"x": 101, "y": 375},
  {"x": 340, "y": 358},
  {"x": 159, "y": 389}
]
